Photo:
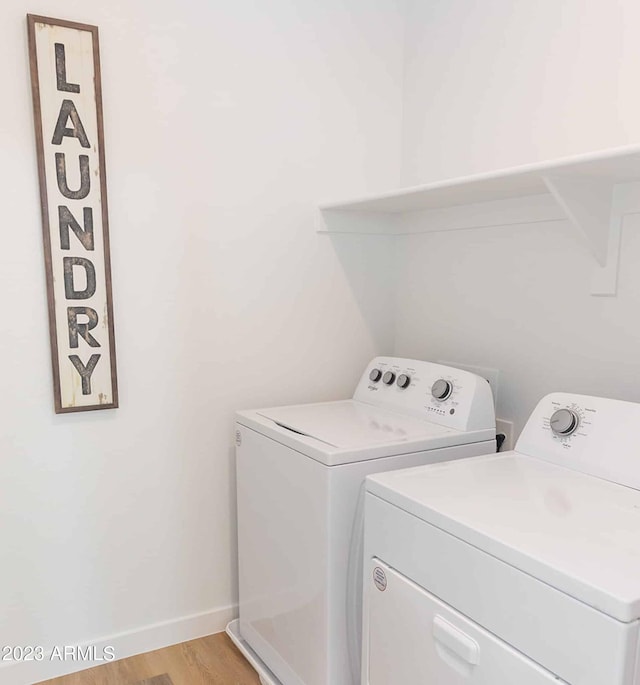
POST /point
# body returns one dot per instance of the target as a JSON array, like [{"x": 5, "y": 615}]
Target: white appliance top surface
[
  {"x": 349, "y": 424},
  {"x": 578, "y": 533}
]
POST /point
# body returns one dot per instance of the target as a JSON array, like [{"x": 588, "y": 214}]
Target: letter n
[{"x": 67, "y": 221}]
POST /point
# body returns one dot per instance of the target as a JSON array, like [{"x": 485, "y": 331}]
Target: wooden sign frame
[{"x": 66, "y": 87}]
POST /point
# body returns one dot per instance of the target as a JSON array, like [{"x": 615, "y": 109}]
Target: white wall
[
  {"x": 491, "y": 85},
  {"x": 498, "y": 83},
  {"x": 225, "y": 123}
]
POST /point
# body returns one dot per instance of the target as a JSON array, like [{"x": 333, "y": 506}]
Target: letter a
[{"x": 68, "y": 111}]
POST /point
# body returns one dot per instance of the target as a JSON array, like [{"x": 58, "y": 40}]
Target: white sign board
[{"x": 67, "y": 103}]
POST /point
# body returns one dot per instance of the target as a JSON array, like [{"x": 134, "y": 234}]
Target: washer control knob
[
  {"x": 441, "y": 389},
  {"x": 564, "y": 422},
  {"x": 375, "y": 375},
  {"x": 388, "y": 378},
  {"x": 404, "y": 381}
]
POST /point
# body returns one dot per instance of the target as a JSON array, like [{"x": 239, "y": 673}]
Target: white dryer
[
  {"x": 519, "y": 568},
  {"x": 300, "y": 474}
]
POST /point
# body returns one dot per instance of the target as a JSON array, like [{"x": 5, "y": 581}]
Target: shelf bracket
[{"x": 592, "y": 206}]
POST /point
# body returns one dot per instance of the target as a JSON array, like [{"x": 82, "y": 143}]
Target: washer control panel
[
  {"x": 564, "y": 421},
  {"x": 593, "y": 435},
  {"x": 404, "y": 381},
  {"x": 442, "y": 394},
  {"x": 388, "y": 378},
  {"x": 441, "y": 390}
]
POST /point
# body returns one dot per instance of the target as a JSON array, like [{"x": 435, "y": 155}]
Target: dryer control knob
[
  {"x": 388, "y": 378},
  {"x": 375, "y": 375},
  {"x": 441, "y": 389},
  {"x": 564, "y": 422},
  {"x": 404, "y": 381}
]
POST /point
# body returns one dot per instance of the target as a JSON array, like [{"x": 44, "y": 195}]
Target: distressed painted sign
[{"x": 67, "y": 104}]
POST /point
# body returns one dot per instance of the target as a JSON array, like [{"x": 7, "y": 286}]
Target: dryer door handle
[{"x": 463, "y": 646}]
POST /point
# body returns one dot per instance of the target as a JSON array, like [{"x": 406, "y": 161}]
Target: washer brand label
[
  {"x": 238, "y": 438},
  {"x": 380, "y": 578}
]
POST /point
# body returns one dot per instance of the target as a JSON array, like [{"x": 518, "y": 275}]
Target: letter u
[{"x": 85, "y": 177}]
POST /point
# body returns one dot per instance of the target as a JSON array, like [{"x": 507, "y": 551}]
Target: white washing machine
[
  {"x": 519, "y": 568},
  {"x": 300, "y": 473}
]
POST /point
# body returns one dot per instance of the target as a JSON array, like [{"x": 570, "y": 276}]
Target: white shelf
[
  {"x": 594, "y": 191},
  {"x": 619, "y": 165}
]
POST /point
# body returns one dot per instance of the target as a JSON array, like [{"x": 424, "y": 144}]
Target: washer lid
[
  {"x": 578, "y": 533},
  {"x": 352, "y": 425}
]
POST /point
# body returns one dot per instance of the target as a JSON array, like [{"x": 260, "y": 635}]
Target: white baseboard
[{"x": 130, "y": 643}]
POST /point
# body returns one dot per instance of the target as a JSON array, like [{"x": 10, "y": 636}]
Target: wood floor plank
[
  {"x": 211, "y": 660},
  {"x": 157, "y": 680}
]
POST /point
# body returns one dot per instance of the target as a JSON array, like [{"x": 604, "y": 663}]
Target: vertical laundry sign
[{"x": 67, "y": 103}]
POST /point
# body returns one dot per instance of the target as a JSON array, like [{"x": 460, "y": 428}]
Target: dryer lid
[
  {"x": 350, "y": 424},
  {"x": 578, "y": 533}
]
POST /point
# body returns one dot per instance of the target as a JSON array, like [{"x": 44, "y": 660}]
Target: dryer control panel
[
  {"x": 592, "y": 435},
  {"x": 442, "y": 394}
]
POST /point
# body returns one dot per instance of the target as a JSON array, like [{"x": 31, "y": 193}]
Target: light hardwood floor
[{"x": 212, "y": 660}]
